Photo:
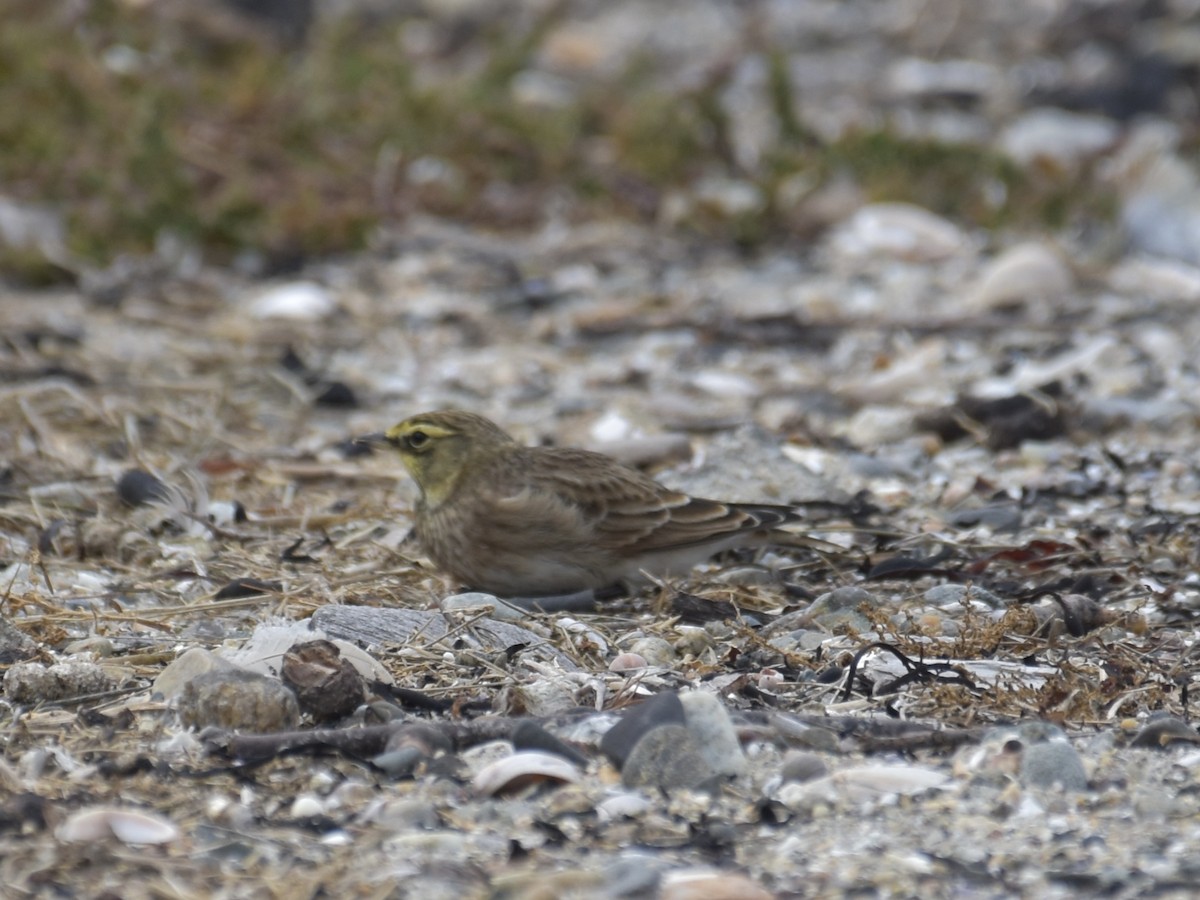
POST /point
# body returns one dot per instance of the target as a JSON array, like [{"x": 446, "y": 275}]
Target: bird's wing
[{"x": 629, "y": 510}]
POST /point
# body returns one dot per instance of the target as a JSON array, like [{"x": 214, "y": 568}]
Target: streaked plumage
[{"x": 535, "y": 521}]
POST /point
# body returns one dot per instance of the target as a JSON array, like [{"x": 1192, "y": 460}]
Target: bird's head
[{"x": 439, "y": 448}]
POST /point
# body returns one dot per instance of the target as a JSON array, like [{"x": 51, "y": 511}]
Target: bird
[{"x": 521, "y": 521}]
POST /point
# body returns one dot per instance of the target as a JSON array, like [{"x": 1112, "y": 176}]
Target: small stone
[
  {"x": 401, "y": 763},
  {"x": 238, "y": 700},
  {"x": 15, "y": 645},
  {"x": 661, "y": 709},
  {"x": 1053, "y": 764},
  {"x": 899, "y": 230},
  {"x": 708, "y": 721},
  {"x": 546, "y": 696},
  {"x": 1165, "y": 280},
  {"x": 801, "y": 766},
  {"x": 839, "y": 609},
  {"x": 1028, "y": 273},
  {"x": 667, "y": 757},
  {"x": 1165, "y": 731},
  {"x": 655, "y": 650},
  {"x": 306, "y": 806},
  {"x": 32, "y": 682},
  {"x": 710, "y": 885},
  {"x": 299, "y": 301},
  {"x": 637, "y": 875},
  {"x": 326, "y": 685}
]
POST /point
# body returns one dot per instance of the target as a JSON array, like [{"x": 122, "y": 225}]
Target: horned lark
[{"x": 535, "y": 521}]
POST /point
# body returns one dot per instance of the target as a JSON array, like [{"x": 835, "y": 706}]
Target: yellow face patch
[{"x": 433, "y": 460}]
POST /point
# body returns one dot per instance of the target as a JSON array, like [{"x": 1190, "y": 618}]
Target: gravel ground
[{"x": 978, "y": 685}]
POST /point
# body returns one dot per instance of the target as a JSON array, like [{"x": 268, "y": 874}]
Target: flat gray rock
[{"x": 426, "y": 628}]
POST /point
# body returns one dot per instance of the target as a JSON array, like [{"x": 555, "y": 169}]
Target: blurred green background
[{"x": 275, "y": 140}]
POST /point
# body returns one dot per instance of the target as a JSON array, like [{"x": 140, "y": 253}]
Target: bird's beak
[{"x": 374, "y": 439}]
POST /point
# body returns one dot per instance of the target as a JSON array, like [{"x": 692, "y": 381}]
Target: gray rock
[
  {"x": 708, "y": 721},
  {"x": 426, "y": 628},
  {"x": 840, "y": 609},
  {"x": 799, "y": 765},
  {"x": 667, "y": 757},
  {"x": 1053, "y": 764}
]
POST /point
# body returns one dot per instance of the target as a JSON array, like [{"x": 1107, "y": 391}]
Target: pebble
[
  {"x": 839, "y": 609},
  {"x": 1166, "y": 280},
  {"x": 634, "y": 875},
  {"x": 1037, "y": 753},
  {"x": 655, "y": 651},
  {"x": 915, "y": 77},
  {"x": 306, "y": 806},
  {"x": 1028, "y": 273},
  {"x": 15, "y": 645},
  {"x": 710, "y": 885},
  {"x": 728, "y": 198},
  {"x": 547, "y": 696},
  {"x": 801, "y": 766},
  {"x": 899, "y": 230},
  {"x": 476, "y": 601},
  {"x": 1053, "y": 764},
  {"x": 237, "y": 700},
  {"x": 667, "y": 757},
  {"x": 297, "y": 301},
  {"x": 34, "y": 682},
  {"x": 709, "y": 722},
  {"x": 1165, "y": 731},
  {"x": 326, "y": 685},
  {"x": 1160, "y": 205},
  {"x": 661, "y": 709}
]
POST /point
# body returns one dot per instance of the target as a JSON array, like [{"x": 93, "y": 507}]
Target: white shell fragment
[
  {"x": 900, "y": 230},
  {"x": 521, "y": 771},
  {"x": 298, "y": 301},
  {"x": 130, "y": 826},
  {"x": 1027, "y": 273}
]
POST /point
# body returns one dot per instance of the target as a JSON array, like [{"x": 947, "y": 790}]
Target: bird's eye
[{"x": 417, "y": 440}]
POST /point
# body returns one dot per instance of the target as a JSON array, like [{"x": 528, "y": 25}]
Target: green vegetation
[{"x": 136, "y": 124}]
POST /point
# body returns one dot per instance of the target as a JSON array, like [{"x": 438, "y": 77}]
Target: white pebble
[{"x": 299, "y": 301}]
